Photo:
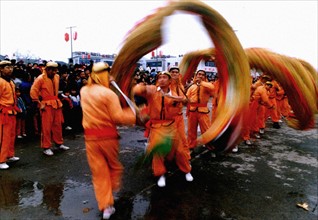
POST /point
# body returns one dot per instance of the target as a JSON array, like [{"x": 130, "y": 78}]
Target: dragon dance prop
[
  {"x": 233, "y": 66},
  {"x": 129, "y": 102},
  {"x": 162, "y": 148},
  {"x": 191, "y": 60},
  {"x": 297, "y": 77}
]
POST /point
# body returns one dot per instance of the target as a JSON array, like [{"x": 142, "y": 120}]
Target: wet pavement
[{"x": 263, "y": 181}]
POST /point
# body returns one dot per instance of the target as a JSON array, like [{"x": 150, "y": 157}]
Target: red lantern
[
  {"x": 160, "y": 53},
  {"x": 75, "y": 35},
  {"x": 66, "y": 37},
  {"x": 153, "y": 53}
]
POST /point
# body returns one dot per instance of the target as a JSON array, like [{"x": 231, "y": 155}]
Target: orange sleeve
[
  {"x": 1, "y": 87},
  {"x": 209, "y": 87},
  {"x": 117, "y": 114},
  {"x": 35, "y": 89},
  {"x": 101, "y": 108},
  {"x": 280, "y": 92},
  {"x": 256, "y": 84},
  {"x": 191, "y": 93},
  {"x": 264, "y": 98},
  {"x": 7, "y": 92},
  {"x": 144, "y": 90},
  {"x": 140, "y": 90}
]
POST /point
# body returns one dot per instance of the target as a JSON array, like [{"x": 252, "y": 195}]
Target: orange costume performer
[
  {"x": 45, "y": 91},
  {"x": 198, "y": 95},
  {"x": 259, "y": 101},
  {"x": 8, "y": 112},
  {"x": 163, "y": 113},
  {"x": 261, "y": 109},
  {"x": 245, "y": 134},
  {"x": 283, "y": 107},
  {"x": 101, "y": 113},
  {"x": 273, "y": 112},
  {"x": 177, "y": 87}
]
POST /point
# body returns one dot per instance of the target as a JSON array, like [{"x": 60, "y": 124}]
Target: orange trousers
[
  {"x": 260, "y": 118},
  {"x": 178, "y": 152},
  {"x": 195, "y": 119},
  {"x": 179, "y": 120},
  {"x": 7, "y": 136},
  {"x": 250, "y": 120},
  {"x": 272, "y": 111},
  {"x": 102, "y": 156},
  {"x": 51, "y": 121},
  {"x": 283, "y": 107}
]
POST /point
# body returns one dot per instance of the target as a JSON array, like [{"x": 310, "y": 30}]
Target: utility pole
[{"x": 71, "y": 36}]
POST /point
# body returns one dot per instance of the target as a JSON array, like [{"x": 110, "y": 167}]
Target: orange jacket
[
  {"x": 102, "y": 111},
  {"x": 280, "y": 95},
  {"x": 7, "y": 97},
  {"x": 273, "y": 91},
  {"x": 260, "y": 95},
  {"x": 178, "y": 89},
  {"x": 255, "y": 85},
  {"x": 47, "y": 89},
  {"x": 199, "y": 95},
  {"x": 160, "y": 107}
]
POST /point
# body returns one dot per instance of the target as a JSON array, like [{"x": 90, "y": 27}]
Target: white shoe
[
  {"x": 261, "y": 131},
  {"x": 189, "y": 177},
  {"x": 162, "y": 181},
  {"x": 48, "y": 152},
  {"x": 24, "y": 135},
  {"x": 19, "y": 136},
  {"x": 4, "y": 166},
  {"x": 280, "y": 121},
  {"x": 108, "y": 212},
  {"x": 248, "y": 142},
  {"x": 235, "y": 149},
  {"x": 63, "y": 147},
  {"x": 68, "y": 128},
  {"x": 12, "y": 159}
]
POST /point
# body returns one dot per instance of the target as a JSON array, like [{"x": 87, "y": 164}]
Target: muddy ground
[{"x": 263, "y": 181}]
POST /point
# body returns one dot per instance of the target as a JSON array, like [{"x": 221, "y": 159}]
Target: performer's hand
[
  {"x": 41, "y": 106},
  {"x": 141, "y": 117},
  {"x": 111, "y": 78},
  {"x": 84, "y": 81},
  {"x": 197, "y": 81},
  {"x": 182, "y": 99},
  {"x": 185, "y": 101}
]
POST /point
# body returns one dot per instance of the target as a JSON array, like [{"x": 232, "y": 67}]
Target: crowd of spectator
[{"x": 72, "y": 79}]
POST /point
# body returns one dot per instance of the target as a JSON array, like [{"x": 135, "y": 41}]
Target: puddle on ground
[
  {"x": 70, "y": 199},
  {"x": 30, "y": 194}
]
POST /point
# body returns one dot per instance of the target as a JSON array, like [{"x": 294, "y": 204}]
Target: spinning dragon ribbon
[{"x": 297, "y": 77}]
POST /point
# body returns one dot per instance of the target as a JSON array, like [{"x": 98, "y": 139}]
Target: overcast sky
[{"x": 38, "y": 27}]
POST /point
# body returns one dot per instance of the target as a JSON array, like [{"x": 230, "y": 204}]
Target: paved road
[{"x": 264, "y": 181}]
